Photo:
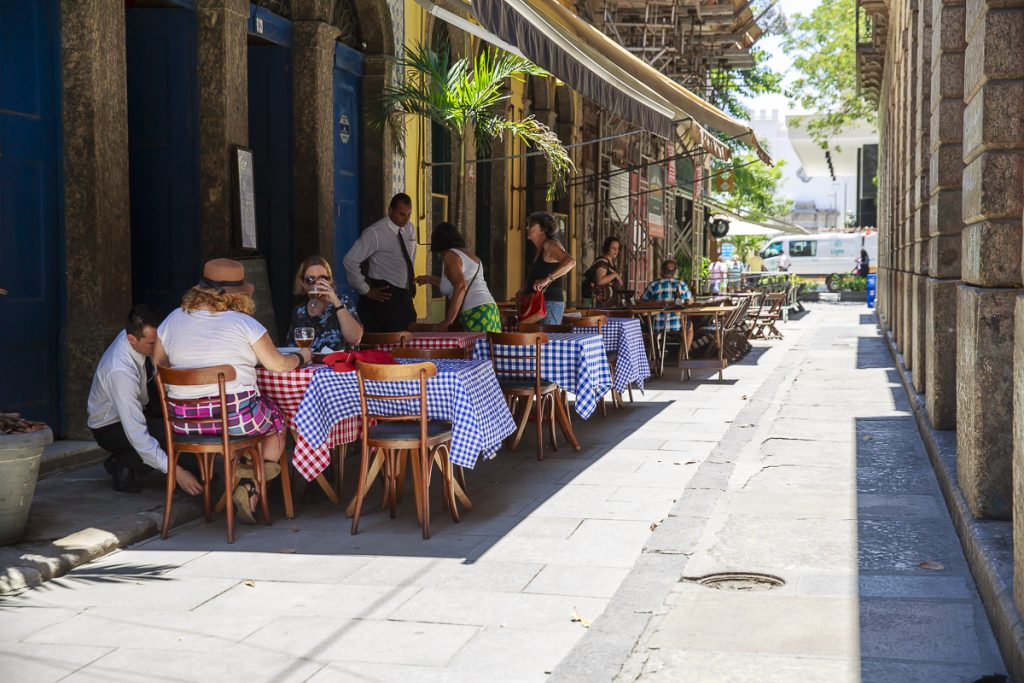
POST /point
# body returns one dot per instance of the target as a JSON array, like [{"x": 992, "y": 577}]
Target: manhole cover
[{"x": 740, "y": 581}]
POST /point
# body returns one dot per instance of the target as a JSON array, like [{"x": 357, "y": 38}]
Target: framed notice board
[{"x": 246, "y": 194}]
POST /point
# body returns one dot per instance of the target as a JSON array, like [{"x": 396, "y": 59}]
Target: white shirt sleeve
[
  {"x": 252, "y": 328},
  {"x": 124, "y": 392},
  {"x": 360, "y": 251}
]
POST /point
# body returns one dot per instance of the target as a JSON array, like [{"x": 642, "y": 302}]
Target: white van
[{"x": 820, "y": 254}]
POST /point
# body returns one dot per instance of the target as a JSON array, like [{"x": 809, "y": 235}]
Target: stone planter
[{"x": 19, "y": 467}]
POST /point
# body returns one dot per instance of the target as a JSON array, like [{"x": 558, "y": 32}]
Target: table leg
[
  {"x": 721, "y": 350},
  {"x": 684, "y": 350},
  {"x": 327, "y": 488},
  {"x": 561, "y": 413}
]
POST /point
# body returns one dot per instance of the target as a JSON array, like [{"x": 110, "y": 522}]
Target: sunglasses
[{"x": 312, "y": 279}]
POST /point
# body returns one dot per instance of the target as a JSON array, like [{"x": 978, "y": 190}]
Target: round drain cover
[{"x": 740, "y": 581}]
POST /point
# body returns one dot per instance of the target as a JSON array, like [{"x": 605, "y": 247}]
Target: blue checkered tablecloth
[
  {"x": 464, "y": 392},
  {"x": 625, "y": 338},
  {"x": 574, "y": 361}
]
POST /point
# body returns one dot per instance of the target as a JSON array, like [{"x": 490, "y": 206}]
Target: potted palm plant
[{"x": 21, "y": 448}]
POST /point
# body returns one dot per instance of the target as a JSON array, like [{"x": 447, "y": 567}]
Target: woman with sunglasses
[{"x": 333, "y": 318}]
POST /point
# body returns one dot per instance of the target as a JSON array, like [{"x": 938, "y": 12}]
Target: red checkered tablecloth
[
  {"x": 287, "y": 389},
  {"x": 442, "y": 340}
]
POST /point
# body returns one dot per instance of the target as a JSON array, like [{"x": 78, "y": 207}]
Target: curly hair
[
  {"x": 197, "y": 299},
  {"x": 545, "y": 221}
]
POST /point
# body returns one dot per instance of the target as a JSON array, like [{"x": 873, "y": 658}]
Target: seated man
[
  {"x": 669, "y": 289},
  {"x": 116, "y": 401}
]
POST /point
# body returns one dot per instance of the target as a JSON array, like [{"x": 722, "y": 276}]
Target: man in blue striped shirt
[{"x": 669, "y": 289}]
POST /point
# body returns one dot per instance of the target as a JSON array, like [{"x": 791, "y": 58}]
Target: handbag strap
[{"x": 479, "y": 267}]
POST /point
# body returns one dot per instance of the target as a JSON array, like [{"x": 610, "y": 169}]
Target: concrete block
[
  {"x": 948, "y": 25},
  {"x": 918, "y": 331},
  {"x": 939, "y": 351},
  {"x": 944, "y": 256},
  {"x": 993, "y": 49},
  {"x": 984, "y": 390},
  {"x": 992, "y": 254},
  {"x": 945, "y": 213},
  {"x": 946, "y": 167},
  {"x": 947, "y": 122},
  {"x": 994, "y": 186},
  {"x": 993, "y": 119},
  {"x": 948, "y": 76}
]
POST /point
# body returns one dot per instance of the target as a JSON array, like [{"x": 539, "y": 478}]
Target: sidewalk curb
[
  {"x": 41, "y": 562},
  {"x": 983, "y": 541}
]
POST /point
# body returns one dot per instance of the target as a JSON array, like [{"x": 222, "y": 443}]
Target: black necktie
[{"x": 410, "y": 283}]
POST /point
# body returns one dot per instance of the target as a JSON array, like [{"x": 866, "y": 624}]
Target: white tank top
[{"x": 477, "y": 294}]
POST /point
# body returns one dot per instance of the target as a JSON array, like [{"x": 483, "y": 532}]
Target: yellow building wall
[{"x": 415, "y": 154}]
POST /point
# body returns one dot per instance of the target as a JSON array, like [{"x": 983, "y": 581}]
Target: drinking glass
[{"x": 304, "y": 337}]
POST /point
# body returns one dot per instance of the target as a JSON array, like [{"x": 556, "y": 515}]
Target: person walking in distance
[{"x": 386, "y": 295}]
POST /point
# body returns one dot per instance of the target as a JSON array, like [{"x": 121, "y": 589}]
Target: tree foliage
[
  {"x": 730, "y": 86},
  {"x": 823, "y": 47},
  {"x": 754, "y": 185},
  {"x": 461, "y": 95},
  {"x": 746, "y": 245}
]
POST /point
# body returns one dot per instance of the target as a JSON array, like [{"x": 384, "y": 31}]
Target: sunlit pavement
[{"x": 828, "y": 489}]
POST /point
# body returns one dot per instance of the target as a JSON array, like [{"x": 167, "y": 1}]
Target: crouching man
[{"x": 117, "y": 403}]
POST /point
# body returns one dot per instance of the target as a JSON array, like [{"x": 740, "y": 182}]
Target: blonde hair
[
  {"x": 309, "y": 262},
  {"x": 196, "y": 299}
]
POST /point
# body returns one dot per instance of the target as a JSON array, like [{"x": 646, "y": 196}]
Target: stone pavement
[{"x": 768, "y": 471}]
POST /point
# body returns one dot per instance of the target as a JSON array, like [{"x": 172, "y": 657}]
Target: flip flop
[{"x": 242, "y": 496}]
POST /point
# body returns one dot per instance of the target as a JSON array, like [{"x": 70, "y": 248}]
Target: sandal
[
  {"x": 246, "y": 497},
  {"x": 271, "y": 470}
]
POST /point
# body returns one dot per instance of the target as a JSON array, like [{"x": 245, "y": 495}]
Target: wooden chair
[
  {"x": 392, "y": 436},
  {"x": 207, "y": 447},
  {"x": 764, "y": 325},
  {"x": 413, "y": 352},
  {"x": 523, "y": 350},
  {"x": 611, "y": 312},
  {"x": 372, "y": 340}
]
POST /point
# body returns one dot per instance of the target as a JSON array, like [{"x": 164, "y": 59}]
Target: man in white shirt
[
  {"x": 117, "y": 399},
  {"x": 386, "y": 296}
]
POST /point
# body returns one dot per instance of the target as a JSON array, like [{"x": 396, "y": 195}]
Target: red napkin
[{"x": 345, "y": 361}]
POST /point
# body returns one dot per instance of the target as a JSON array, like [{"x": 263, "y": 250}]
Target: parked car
[{"x": 821, "y": 254}]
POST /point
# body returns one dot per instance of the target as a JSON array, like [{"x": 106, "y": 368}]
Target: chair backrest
[
  {"x": 374, "y": 339},
  {"x": 429, "y": 327},
  {"x": 612, "y": 312},
  {"x": 599, "y": 321},
  {"x": 402, "y": 372},
  {"x": 775, "y": 300},
  {"x": 545, "y": 327},
  {"x": 511, "y": 351},
  {"x": 738, "y": 314},
  {"x": 190, "y": 377},
  {"x": 415, "y": 352}
]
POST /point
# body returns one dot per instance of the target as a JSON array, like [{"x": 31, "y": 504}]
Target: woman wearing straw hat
[{"x": 214, "y": 326}]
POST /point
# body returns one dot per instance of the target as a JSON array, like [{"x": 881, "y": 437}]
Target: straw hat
[{"x": 224, "y": 276}]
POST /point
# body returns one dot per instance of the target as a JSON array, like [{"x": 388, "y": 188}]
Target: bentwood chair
[
  {"x": 391, "y": 438},
  {"x": 456, "y": 353},
  {"x": 207, "y": 446},
  {"x": 516, "y": 359},
  {"x": 545, "y": 327},
  {"x": 372, "y": 340}
]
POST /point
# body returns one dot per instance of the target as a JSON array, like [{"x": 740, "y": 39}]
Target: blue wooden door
[
  {"x": 348, "y": 71},
  {"x": 270, "y": 137},
  {"x": 163, "y": 149},
  {"x": 31, "y": 197}
]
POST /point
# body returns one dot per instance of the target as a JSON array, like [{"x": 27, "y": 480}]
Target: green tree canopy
[
  {"x": 823, "y": 47},
  {"x": 754, "y": 185}
]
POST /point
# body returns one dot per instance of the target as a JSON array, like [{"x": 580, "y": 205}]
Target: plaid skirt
[
  {"x": 248, "y": 414},
  {"x": 485, "y": 318}
]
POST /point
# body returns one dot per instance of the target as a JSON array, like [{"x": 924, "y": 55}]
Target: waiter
[{"x": 385, "y": 297}]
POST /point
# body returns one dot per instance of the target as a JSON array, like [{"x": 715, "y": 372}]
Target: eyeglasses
[{"x": 312, "y": 279}]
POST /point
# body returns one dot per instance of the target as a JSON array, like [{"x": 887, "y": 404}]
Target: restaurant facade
[{"x": 139, "y": 138}]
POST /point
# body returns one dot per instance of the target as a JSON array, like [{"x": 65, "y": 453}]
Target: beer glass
[{"x": 304, "y": 337}]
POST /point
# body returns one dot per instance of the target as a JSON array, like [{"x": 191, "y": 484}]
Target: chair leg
[
  {"x": 364, "y": 456},
  {"x": 427, "y": 465},
  {"x": 538, "y": 402},
  {"x": 286, "y": 487},
  {"x": 518, "y": 436},
  {"x": 206, "y": 470},
  {"x": 258, "y": 466},
  {"x": 551, "y": 399},
  {"x": 229, "y": 483},
  {"x": 172, "y": 464},
  {"x": 563, "y": 419}
]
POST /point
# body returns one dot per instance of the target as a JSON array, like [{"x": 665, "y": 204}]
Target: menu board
[{"x": 246, "y": 198}]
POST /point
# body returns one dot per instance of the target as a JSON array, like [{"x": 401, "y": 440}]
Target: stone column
[
  {"x": 379, "y": 181},
  {"x": 223, "y": 115},
  {"x": 922, "y": 150},
  {"x": 313, "y": 115},
  {"x": 993, "y": 200},
  {"x": 97, "y": 229},
  {"x": 945, "y": 220}
]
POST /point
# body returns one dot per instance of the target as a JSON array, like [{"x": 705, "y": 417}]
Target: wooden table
[{"x": 685, "y": 362}]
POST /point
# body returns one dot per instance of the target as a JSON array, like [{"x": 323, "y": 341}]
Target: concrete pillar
[
  {"x": 1018, "y": 456},
  {"x": 313, "y": 45},
  {"x": 945, "y": 222},
  {"x": 922, "y": 157},
  {"x": 96, "y": 205},
  {"x": 993, "y": 200},
  {"x": 223, "y": 116}
]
